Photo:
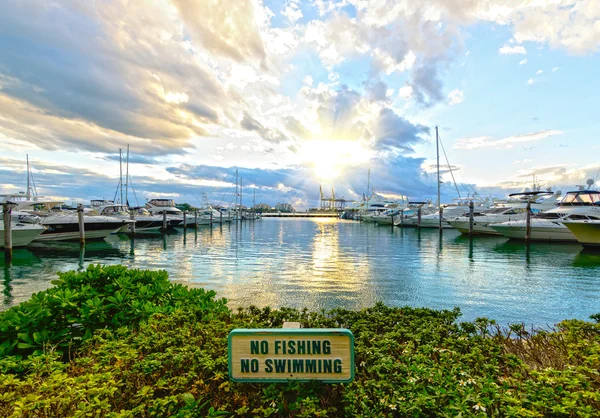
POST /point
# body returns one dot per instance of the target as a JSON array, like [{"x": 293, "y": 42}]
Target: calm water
[{"x": 326, "y": 263}]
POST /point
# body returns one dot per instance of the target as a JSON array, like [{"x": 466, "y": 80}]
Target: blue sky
[{"x": 297, "y": 94}]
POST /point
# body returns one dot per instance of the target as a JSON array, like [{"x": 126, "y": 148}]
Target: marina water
[{"x": 330, "y": 263}]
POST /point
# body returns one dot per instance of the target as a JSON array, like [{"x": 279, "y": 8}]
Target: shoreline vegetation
[{"x": 118, "y": 342}]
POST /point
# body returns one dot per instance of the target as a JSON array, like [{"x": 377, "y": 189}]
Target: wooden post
[
  {"x": 221, "y": 216},
  {"x": 211, "y": 217},
  {"x": 196, "y": 218},
  {"x": 419, "y": 218},
  {"x": 184, "y": 221},
  {"x": 164, "y": 220},
  {"x": 471, "y": 216},
  {"x": 528, "y": 222},
  {"x": 392, "y": 220},
  {"x": 132, "y": 217},
  {"x": 6, "y": 214},
  {"x": 402, "y": 218},
  {"x": 441, "y": 217},
  {"x": 81, "y": 224}
]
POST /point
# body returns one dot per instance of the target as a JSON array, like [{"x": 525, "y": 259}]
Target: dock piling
[
  {"x": 402, "y": 218},
  {"x": 164, "y": 227},
  {"x": 441, "y": 217},
  {"x": 419, "y": 218},
  {"x": 184, "y": 221},
  {"x": 196, "y": 218},
  {"x": 471, "y": 215},
  {"x": 528, "y": 222},
  {"x": 6, "y": 215},
  {"x": 132, "y": 217},
  {"x": 81, "y": 224}
]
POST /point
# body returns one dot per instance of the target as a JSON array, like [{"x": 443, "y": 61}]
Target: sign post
[{"x": 281, "y": 355}]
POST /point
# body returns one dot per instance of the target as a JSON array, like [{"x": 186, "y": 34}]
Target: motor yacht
[
  {"x": 160, "y": 207},
  {"x": 22, "y": 233},
  {"x": 587, "y": 232},
  {"x": 507, "y": 212},
  {"x": 59, "y": 224},
  {"x": 581, "y": 205},
  {"x": 143, "y": 222}
]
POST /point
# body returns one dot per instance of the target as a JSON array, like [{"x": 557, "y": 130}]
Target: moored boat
[
  {"x": 22, "y": 233},
  {"x": 581, "y": 205},
  {"x": 586, "y": 232}
]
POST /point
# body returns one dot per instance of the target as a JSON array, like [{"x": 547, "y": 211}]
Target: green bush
[
  {"x": 409, "y": 362},
  {"x": 80, "y": 303}
]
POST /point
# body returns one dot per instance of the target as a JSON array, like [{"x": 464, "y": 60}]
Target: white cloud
[
  {"x": 523, "y": 61},
  {"x": 292, "y": 12},
  {"x": 489, "y": 142},
  {"x": 405, "y": 92},
  {"x": 555, "y": 69},
  {"x": 526, "y": 160},
  {"x": 530, "y": 81},
  {"x": 455, "y": 97},
  {"x": 512, "y": 50},
  {"x": 538, "y": 72},
  {"x": 308, "y": 80}
]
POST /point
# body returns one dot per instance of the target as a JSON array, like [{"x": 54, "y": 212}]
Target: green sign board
[{"x": 280, "y": 355}]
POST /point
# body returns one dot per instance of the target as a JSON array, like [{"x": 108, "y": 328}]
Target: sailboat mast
[
  {"x": 236, "y": 192},
  {"x": 437, "y": 149},
  {"x": 241, "y": 191},
  {"x": 127, "y": 177},
  {"x": 121, "y": 173},
  {"x": 369, "y": 184},
  {"x": 28, "y": 185}
]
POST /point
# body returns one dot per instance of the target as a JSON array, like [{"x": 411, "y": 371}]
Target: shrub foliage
[{"x": 116, "y": 342}]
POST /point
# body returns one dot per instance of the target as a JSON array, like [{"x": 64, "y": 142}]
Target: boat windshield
[
  {"x": 162, "y": 202},
  {"x": 581, "y": 198}
]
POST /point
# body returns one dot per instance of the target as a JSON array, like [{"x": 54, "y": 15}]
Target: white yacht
[
  {"x": 508, "y": 212},
  {"x": 581, "y": 205},
  {"x": 411, "y": 213},
  {"x": 22, "y": 233},
  {"x": 158, "y": 207},
  {"x": 61, "y": 225},
  {"x": 143, "y": 222}
]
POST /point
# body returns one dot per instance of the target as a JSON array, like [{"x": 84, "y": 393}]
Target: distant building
[
  {"x": 261, "y": 207},
  {"x": 284, "y": 207}
]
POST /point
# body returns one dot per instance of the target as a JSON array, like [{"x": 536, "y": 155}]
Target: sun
[{"x": 328, "y": 158}]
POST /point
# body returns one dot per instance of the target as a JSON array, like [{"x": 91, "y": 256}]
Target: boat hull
[
  {"x": 22, "y": 234},
  {"x": 587, "y": 233},
  {"x": 552, "y": 232},
  {"x": 70, "y": 231},
  {"x": 478, "y": 227}
]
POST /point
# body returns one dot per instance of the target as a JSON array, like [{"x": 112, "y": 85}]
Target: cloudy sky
[{"x": 297, "y": 94}]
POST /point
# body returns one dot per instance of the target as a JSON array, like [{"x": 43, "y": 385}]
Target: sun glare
[{"x": 328, "y": 158}]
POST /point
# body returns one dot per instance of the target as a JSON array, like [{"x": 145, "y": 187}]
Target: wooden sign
[{"x": 279, "y": 355}]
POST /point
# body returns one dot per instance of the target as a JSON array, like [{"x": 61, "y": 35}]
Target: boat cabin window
[
  {"x": 578, "y": 218},
  {"x": 552, "y": 215},
  {"x": 513, "y": 211}
]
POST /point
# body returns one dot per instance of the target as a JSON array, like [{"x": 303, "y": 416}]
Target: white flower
[
  {"x": 392, "y": 407},
  {"x": 479, "y": 407}
]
